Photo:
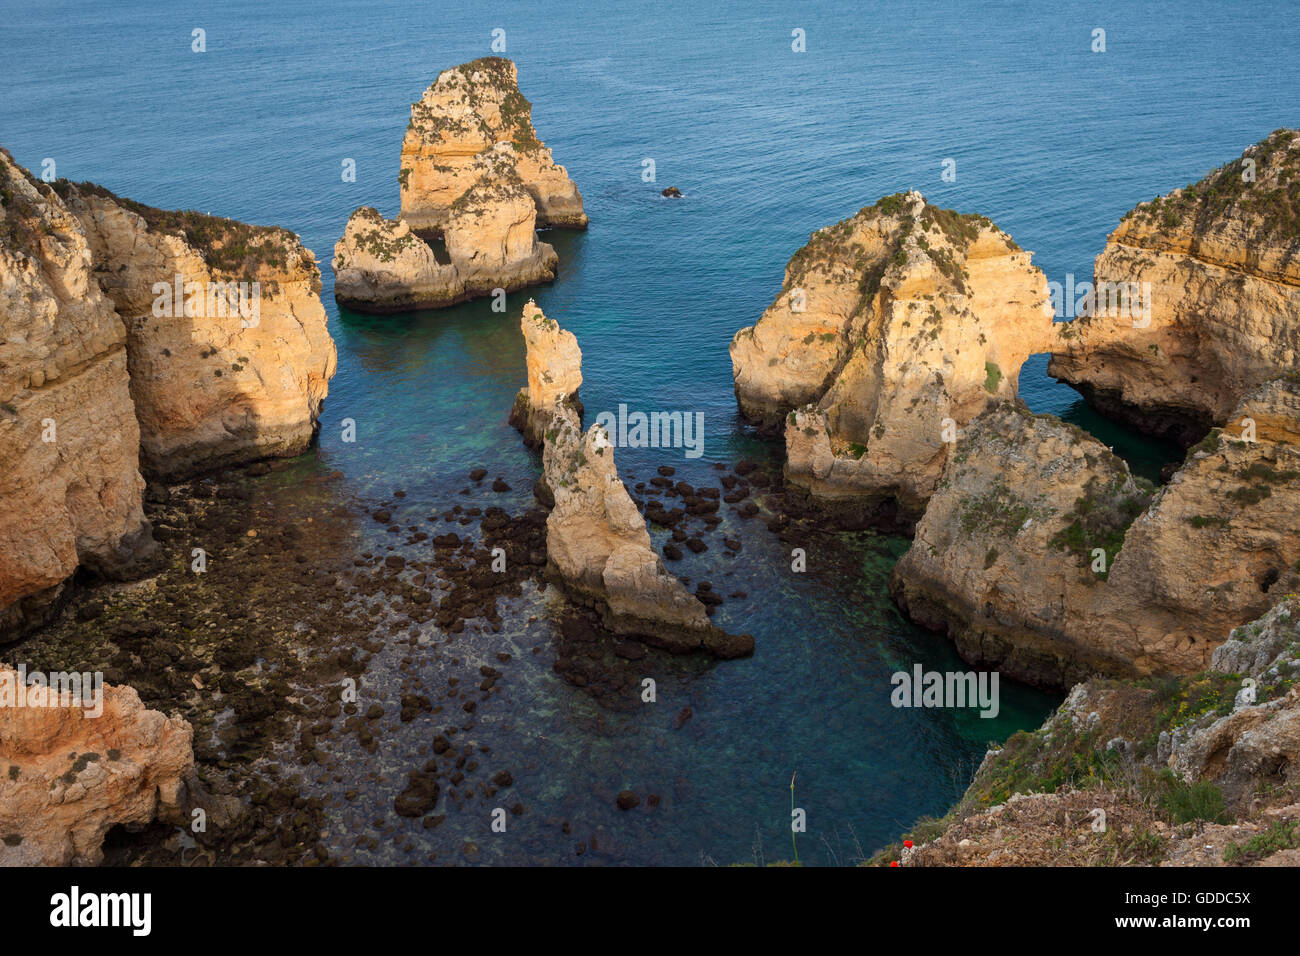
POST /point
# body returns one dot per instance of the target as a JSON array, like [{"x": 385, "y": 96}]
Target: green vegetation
[
  {"x": 1274, "y": 199},
  {"x": 999, "y": 511},
  {"x": 1281, "y": 835},
  {"x": 229, "y": 247},
  {"x": 992, "y": 376},
  {"x": 1101, "y": 518},
  {"x": 1183, "y": 802}
]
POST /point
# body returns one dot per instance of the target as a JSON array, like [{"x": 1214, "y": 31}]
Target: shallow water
[{"x": 1052, "y": 141}]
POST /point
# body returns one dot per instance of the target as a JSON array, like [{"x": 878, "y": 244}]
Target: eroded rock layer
[
  {"x": 228, "y": 350},
  {"x": 598, "y": 546},
  {"x": 1041, "y": 555},
  {"x": 1218, "y": 264},
  {"x": 381, "y": 266}
]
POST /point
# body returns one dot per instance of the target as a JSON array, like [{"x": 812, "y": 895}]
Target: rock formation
[
  {"x": 598, "y": 546},
  {"x": 491, "y": 239},
  {"x": 66, "y": 777},
  {"x": 228, "y": 350},
  {"x": 892, "y": 328},
  {"x": 70, "y": 485},
  {"x": 554, "y": 364},
  {"x": 1218, "y": 264},
  {"x": 381, "y": 266},
  {"x": 1040, "y": 554},
  {"x": 491, "y": 229},
  {"x": 467, "y": 110},
  {"x": 1197, "y": 770}
]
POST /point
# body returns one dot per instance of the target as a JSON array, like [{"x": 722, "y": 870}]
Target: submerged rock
[
  {"x": 554, "y": 364},
  {"x": 67, "y": 774},
  {"x": 893, "y": 329},
  {"x": 469, "y": 109},
  {"x": 70, "y": 484},
  {"x": 1198, "y": 298}
]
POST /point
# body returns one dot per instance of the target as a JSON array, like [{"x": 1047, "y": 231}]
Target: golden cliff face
[
  {"x": 467, "y": 110},
  {"x": 1219, "y": 263},
  {"x": 229, "y": 354},
  {"x": 1041, "y": 555},
  {"x": 893, "y": 330},
  {"x": 490, "y": 231},
  {"x": 70, "y": 483}
]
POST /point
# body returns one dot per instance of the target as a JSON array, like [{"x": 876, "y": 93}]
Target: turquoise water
[{"x": 1052, "y": 142}]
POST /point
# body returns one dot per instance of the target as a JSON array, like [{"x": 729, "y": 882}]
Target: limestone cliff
[
  {"x": 469, "y": 109},
  {"x": 1218, "y": 262},
  {"x": 68, "y": 774},
  {"x": 554, "y": 364},
  {"x": 893, "y": 329},
  {"x": 598, "y": 546},
  {"x": 70, "y": 483},
  {"x": 381, "y": 266},
  {"x": 228, "y": 350},
  {"x": 1039, "y": 553}
]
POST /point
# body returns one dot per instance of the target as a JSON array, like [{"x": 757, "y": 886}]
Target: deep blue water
[{"x": 1053, "y": 142}]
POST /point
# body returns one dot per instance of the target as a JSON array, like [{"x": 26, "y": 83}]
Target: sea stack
[
  {"x": 893, "y": 329},
  {"x": 1198, "y": 298},
  {"x": 554, "y": 364},
  {"x": 597, "y": 545},
  {"x": 229, "y": 352},
  {"x": 70, "y": 484},
  {"x": 469, "y": 109}
]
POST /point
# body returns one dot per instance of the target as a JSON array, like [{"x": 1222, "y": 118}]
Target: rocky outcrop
[
  {"x": 1216, "y": 266},
  {"x": 1255, "y": 745},
  {"x": 491, "y": 240},
  {"x": 597, "y": 545},
  {"x": 227, "y": 345},
  {"x": 554, "y": 364},
  {"x": 381, "y": 266},
  {"x": 893, "y": 329},
  {"x": 67, "y": 774},
  {"x": 467, "y": 110},
  {"x": 1002, "y": 559},
  {"x": 1196, "y": 770},
  {"x": 1040, "y": 554},
  {"x": 70, "y": 485}
]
